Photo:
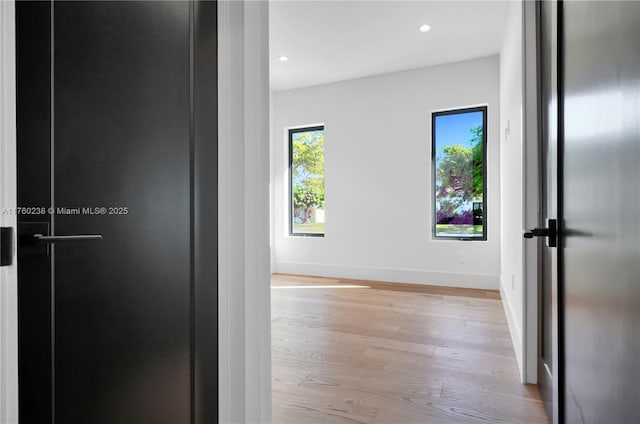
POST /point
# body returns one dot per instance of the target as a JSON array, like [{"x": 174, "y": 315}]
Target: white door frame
[
  {"x": 244, "y": 257},
  {"x": 8, "y": 274}
]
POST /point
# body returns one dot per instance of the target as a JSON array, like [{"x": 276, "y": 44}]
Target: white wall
[
  {"x": 512, "y": 178},
  {"x": 8, "y": 274},
  {"x": 378, "y": 177}
]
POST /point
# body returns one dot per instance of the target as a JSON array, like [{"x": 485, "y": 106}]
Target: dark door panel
[
  {"x": 33, "y": 114},
  {"x": 602, "y": 182},
  {"x": 121, "y": 142},
  {"x": 108, "y": 328}
]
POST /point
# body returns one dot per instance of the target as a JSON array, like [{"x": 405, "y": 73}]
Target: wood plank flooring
[{"x": 348, "y": 351}]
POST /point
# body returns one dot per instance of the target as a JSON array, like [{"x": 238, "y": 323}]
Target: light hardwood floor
[{"x": 348, "y": 351}]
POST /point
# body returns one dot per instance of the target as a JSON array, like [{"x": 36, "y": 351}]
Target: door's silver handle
[{"x": 39, "y": 238}]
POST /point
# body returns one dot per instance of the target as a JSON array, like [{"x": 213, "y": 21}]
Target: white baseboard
[
  {"x": 514, "y": 330},
  {"x": 470, "y": 281}
]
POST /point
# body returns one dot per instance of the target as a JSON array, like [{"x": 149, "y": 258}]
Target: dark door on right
[{"x": 601, "y": 253}]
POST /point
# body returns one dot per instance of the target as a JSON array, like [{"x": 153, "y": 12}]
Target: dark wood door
[
  {"x": 549, "y": 372},
  {"x": 117, "y": 137},
  {"x": 602, "y": 211}
]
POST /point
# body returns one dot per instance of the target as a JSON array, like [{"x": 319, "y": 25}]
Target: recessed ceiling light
[
  {"x": 283, "y": 58},
  {"x": 425, "y": 28}
]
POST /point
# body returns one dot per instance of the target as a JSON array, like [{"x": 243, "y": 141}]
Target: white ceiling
[{"x": 328, "y": 41}]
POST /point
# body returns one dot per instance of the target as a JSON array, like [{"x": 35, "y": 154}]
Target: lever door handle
[
  {"x": 39, "y": 238},
  {"x": 551, "y": 231},
  {"x": 536, "y": 232}
]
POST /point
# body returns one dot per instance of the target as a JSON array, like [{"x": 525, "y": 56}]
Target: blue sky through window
[{"x": 455, "y": 129}]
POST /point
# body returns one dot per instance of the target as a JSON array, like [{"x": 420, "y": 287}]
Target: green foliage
[
  {"x": 308, "y": 174},
  {"x": 308, "y": 154},
  {"x": 459, "y": 176},
  {"x": 312, "y": 228},
  {"x": 448, "y": 229},
  {"x": 478, "y": 171},
  {"x": 455, "y": 183}
]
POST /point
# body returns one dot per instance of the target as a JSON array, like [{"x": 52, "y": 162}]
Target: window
[
  {"x": 306, "y": 188},
  {"x": 459, "y": 152}
]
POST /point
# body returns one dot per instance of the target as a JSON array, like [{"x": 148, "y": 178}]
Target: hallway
[{"x": 347, "y": 351}]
